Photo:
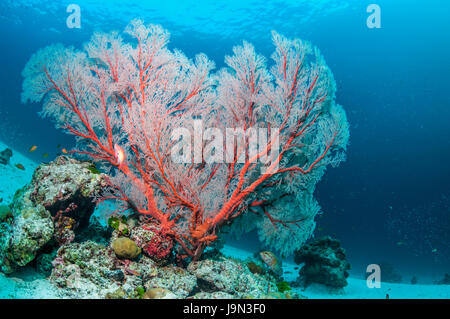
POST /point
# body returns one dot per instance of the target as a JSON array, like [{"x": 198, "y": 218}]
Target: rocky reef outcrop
[
  {"x": 91, "y": 270},
  {"x": 50, "y": 210},
  {"x": 232, "y": 277},
  {"x": 324, "y": 262}
]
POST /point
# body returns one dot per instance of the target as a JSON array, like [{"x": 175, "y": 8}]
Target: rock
[
  {"x": 25, "y": 233},
  {"x": 444, "y": 281},
  {"x": 5, "y": 155},
  {"x": 176, "y": 279},
  {"x": 324, "y": 263},
  {"x": 159, "y": 293},
  {"x": 56, "y": 204},
  {"x": 91, "y": 270},
  {"x": 66, "y": 187},
  {"x": 230, "y": 276},
  {"x": 125, "y": 248}
]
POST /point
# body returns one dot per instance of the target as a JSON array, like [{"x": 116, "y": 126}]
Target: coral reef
[
  {"x": 91, "y": 270},
  {"x": 66, "y": 188},
  {"x": 132, "y": 258},
  {"x": 57, "y": 203},
  {"x": 324, "y": 263},
  {"x": 175, "y": 279},
  {"x": 125, "y": 101}
]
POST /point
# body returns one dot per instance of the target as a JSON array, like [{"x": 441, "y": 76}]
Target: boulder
[
  {"x": 324, "y": 262},
  {"x": 230, "y": 276}
]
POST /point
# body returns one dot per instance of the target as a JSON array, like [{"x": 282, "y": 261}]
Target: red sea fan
[{"x": 158, "y": 120}]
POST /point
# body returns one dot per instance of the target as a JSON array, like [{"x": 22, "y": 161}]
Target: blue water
[{"x": 390, "y": 201}]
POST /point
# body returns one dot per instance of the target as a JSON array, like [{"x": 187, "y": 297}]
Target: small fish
[
  {"x": 64, "y": 151},
  {"x": 434, "y": 250},
  {"x": 45, "y": 155},
  {"x": 119, "y": 154},
  {"x": 58, "y": 146},
  {"x": 32, "y": 148},
  {"x": 20, "y": 166},
  {"x": 400, "y": 243},
  {"x": 272, "y": 261}
]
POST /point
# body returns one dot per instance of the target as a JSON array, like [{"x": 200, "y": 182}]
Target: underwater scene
[{"x": 285, "y": 149}]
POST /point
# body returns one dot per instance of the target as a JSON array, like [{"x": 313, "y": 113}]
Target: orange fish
[
  {"x": 32, "y": 148},
  {"x": 64, "y": 151},
  {"x": 20, "y": 166},
  {"x": 119, "y": 154}
]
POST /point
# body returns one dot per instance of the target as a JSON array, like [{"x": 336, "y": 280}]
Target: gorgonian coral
[{"x": 158, "y": 119}]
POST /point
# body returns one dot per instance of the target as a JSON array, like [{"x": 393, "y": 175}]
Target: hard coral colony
[{"x": 122, "y": 101}]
